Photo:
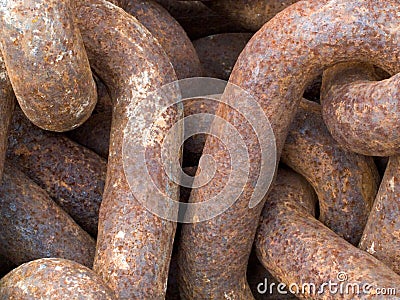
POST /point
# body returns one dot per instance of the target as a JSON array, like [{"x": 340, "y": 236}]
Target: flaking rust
[
  {"x": 381, "y": 234},
  {"x": 53, "y": 278},
  {"x": 47, "y": 63},
  {"x": 298, "y": 249},
  {"x": 71, "y": 174},
  {"x": 134, "y": 246},
  {"x": 346, "y": 183},
  {"x": 33, "y": 226},
  {"x": 167, "y": 31},
  {"x": 361, "y": 112},
  {"x": 275, "y": 67}
]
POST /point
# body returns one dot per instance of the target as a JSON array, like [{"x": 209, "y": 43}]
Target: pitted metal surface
[
  {"x": 33, "y": 226},
  {"x": 47, "y": 63}
]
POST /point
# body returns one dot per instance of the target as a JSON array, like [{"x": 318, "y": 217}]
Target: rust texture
[
  {"x": 94, "y": 133},
  {"x": 33, "y": 226},
  {"x": 362, "y": 113},
  {"x": 53, "y": 278},
  {"x": 134, "y": 246},
  {"x": 251, "y": 14},
  {"x": 381, "y": 234},
  {"x": 103, "y": 104},
  {"x": 296, "y": 248},
  {"x": 346, "y": 183},
  {"x": 7, "y": 102},
  {"x": 256, "y": 274},
  {"x": 218, "y": 53},
  {"x": 47, "y": 63},
  {"x": 71, "y": 174},
  {"x": 277, "y": 64},
  {"x": 167, "y": 31},
  {"x": 198, "y": 20}
]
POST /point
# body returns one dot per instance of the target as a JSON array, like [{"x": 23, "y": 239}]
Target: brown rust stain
[
  {"x": 71, "y": 174},
  {"x": 346, "y": 183},
  {"x": 53, "y": 278},
  {"x": 134, "y": 246},
  {"x": 33, "y": 226},
  {"x": 298, "y": 249},
  {"x": 47, "y": 63},
  {"x": 277, "y": 64}
]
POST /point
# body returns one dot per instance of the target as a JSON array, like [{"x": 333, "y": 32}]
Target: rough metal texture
[
  {"x": 218, "y": 53},
  {"x": 167, "y": 31},
  {"x": 251, "y": 14},
  {"x": 7, "y": 102},
  {"x": 104, "y": 104},
  {"x": 33, "y": 226},
  {"x": 361, "y": 113},
  {"x": 94, "y": 133},
  {"x": 275, "y": 67},
  {"x": 297, "y": 248},
  {"x": 381, "y": 234},
  {"x": 71, "y": 174},
  {"x": 52, "y": 278},
  {"x": 346, "y": 183},
  {"x": 198, "y": 20},
  {"x": 47, "y": 64},
  {"x": 134, "y": 246},
  {"x": 256, "y": 274}
]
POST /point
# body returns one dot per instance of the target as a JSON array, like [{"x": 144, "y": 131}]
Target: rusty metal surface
[
  {"x": 361, "y": 113},
  {"x": 251, "y": 14},
  {"x": 296, "y": 248},
  {"x": 7, "y": 102},
  {"x": 198, "y": 20},
  {"x": 33, "y": 226},
  {"x": 256, "y": 274},
  {"x": 275, "y": 67},
  {"x": 346, "y": 183},
  {"x": 103, "y": 104},
  {"x": 218, "y": 53},
  {"x": 71, "y": 174},
  {"x": 381, "y": 234},
  {"x": 94, "y": 133},
  {"x": 53, "y": 278},
  {"x": 47, "y": 63},
  {"x": 167, "y": 31},
  {"x": 134, "y": 246}
]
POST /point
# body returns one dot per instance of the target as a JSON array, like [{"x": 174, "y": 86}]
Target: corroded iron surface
[
  {"x": 94, "y": 133},
  {"x": 47, "y": 63},
  {"x": 346, "y": 183},
  {"x": 381, "y": 234},
  {"x": 71, "y": 174},
  {"x": 362, "y": 113},
  {"x": 33, "y": 226},
  {"x": 218, "y": 53},
  {"x": 53, "y": 278},
  {"x": 7, "y": 102},
  {"x": 297, "y": 249},
  {"x": 251, "y": 14},
  {"x": 134, "y": 246},
  {"x": 277, "y": 64},
  {"x": 167, "y": 31}
]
